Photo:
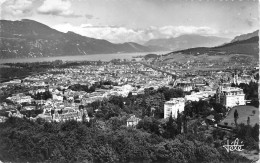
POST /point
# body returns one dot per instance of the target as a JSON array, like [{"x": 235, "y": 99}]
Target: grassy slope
[{"x": 243, "y": 112}]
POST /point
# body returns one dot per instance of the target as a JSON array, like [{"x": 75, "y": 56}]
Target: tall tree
[
  {"x": 235, "y": 116},
  {"x": 171, "y": 128},
  {"x": 179, "y": 122},
  {"x": 248, "y": 120},
  {"x": 185, "y": 127}
]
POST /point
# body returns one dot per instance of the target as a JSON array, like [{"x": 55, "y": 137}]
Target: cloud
[
  {"x": 88, "y": 16},
  {"x": 249, "y": 22},
  {"x": 110, "y": 33},
  {"x": 57, "y": 8},
  {"x": 16, "y": 7},
  {"x": 174, "y": 31},
  {"x": 117, "y": 34},
  {"x": 2, "y": 1}
]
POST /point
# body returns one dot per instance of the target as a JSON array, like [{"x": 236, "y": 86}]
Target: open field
[{"x": 243, "y": 113}]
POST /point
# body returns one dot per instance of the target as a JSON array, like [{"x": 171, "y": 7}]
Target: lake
[{"x": 91, "y": 57}]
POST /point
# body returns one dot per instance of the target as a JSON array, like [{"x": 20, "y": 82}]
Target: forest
[
  {"x": 27, "y": 141},
  {"x": 106, "y": 138}
]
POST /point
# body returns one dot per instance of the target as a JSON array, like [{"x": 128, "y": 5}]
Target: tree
[
  {"x": 81, "y": 107},
  {"x": 150, "y": 124},
  {"x": 205, "y": 153},
  {"x": 173, "y": 93},
  {"x": 130, "y": 95},
  {"x": 219, "y": 108},
  {"x": 255, "y": 132},
  {"x": 254, "y": 102},
  {"x": 217, "y": 117},
  {"x": 117, "y": 100},
  {"x": 179, "y": 122},
  {"x": 235, "y": 116},
  {"x": 115, "y": 123},
  {"x": 171, "y": 128},
  {"x": 83, "y": 117},
  {"x": 209, "y": 139},
  {"x": 188, "y": 110},
  {"x": 185, "y": 126}
]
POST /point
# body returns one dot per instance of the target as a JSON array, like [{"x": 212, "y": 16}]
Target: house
[
  {"x": 210, "y": 119},
  {"x": 14, "y": 113},
  {"x": 132, "y": 121},
  {"x": 58, "y": 97},
  {"x": 187, "y": 87},
  {"x": 25, "y": 99},
  {"x": 230, "y": 96},
  {"x": 29, "y": 107},
  {"x": 196, "y": 96},
  {"x": 61, "y": 115}
]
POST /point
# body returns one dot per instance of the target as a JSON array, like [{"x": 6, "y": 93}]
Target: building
[
  {"x": 173, "y": 106},
  {"x": 132, "y": 121},
  {"x": 15, "y": 113},
  {"x": 196, "y": 96},
  {"x": 64, "y": 115},
  {"x": 20, "y": 98},
  {"x": 210, "y": 119},
  {"x": 230, "y": 96},
  {"x": 186, "y": 87}
]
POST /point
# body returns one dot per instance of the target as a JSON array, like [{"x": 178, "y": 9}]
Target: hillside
[
  {"x": 28, "y": 38},
  {"x": 245, "y": 47},
  {"x": 246, "y": 36},
  {"x": 153, "y": 56},
  {"x": 188, "y": 41}
]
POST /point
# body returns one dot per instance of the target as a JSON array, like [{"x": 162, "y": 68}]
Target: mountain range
[
  {"x": 246, "y": 36},
  {"x": 188, "y": 41},
  {"x": 28, "y": 38},
  {"x": 247, "y": 44}
]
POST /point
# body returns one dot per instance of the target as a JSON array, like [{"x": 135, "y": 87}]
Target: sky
[{"x": 139, "y": 20}]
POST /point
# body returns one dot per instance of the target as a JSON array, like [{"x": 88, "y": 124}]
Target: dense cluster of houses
[{"x": 132, "y": 77}]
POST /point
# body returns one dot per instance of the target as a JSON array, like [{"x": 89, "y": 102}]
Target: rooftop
[
  {"x": 230, "y": 89},
  {"x": 175, "y": 100}
]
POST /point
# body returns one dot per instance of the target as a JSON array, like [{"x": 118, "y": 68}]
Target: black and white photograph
[{"x": 129, "y": 81}]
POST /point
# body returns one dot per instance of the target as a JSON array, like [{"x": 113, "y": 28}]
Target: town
[
  {"x": 123, "y": 81},
  {"x": 138, "y": 95}
]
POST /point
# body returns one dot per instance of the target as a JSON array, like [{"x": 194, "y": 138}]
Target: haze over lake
[{"x": 91, "y": 57}]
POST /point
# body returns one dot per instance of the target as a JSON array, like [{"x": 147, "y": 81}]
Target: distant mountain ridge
[
  {"x": 188, "y": 41},
  {"x": 246, "y": 36},
  {"x": 29, "y": 38},
  {"x": 247, "y": 44}
]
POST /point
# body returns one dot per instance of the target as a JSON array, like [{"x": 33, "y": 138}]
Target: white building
[
  {"x": 27, "y": 99},
  {"x": 123, "y": 90},
  {"x": 58, "y": 97},
  {"x": 65, "y": 114},
  {"x": 187, "y": 87},
  {"x": 172, "y": 107},
  {"x": 230, "y": 96},
  {"x": 196, "y": 96}
]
